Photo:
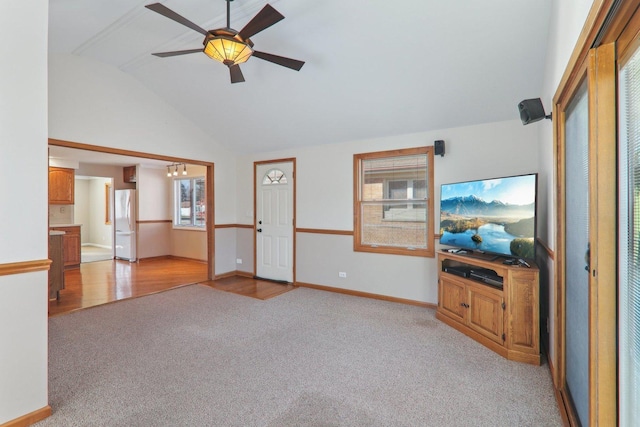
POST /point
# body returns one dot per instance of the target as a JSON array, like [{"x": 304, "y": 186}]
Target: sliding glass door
[
  {"x": 629, "y": 242},
  {"x": 577, "y": 242}
]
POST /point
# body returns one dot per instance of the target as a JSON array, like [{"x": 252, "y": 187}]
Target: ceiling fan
[{"x": 227, "y": 45}]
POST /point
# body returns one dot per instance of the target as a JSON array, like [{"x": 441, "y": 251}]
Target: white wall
[
  {"x": 325, "y": 201},
  {"x": 154, "y": 204},
  {"x": 82, "y": 208},
  {"x": 100, "y": 233},
  {"x": 567, "y": 20},
  {"x": 23, "y": 148}
]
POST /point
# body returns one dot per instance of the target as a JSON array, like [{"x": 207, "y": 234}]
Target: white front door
[{"x": 274, "y": 221}]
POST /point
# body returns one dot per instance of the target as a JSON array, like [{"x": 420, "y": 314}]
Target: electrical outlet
[
  {"x": 342, "y": 274},
  {"x": 238, "y": 260}
]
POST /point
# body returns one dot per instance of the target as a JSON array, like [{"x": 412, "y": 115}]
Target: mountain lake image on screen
[{"x": 495, "y": 215}]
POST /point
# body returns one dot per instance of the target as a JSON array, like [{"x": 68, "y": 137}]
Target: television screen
[{"x": 496, "y": 215}]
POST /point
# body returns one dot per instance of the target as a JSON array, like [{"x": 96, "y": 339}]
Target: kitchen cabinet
[
  {"x": 504, "y": 318},
  {"x": 56, "y": 269},
  {"x": 129, "y": 174},
  {"x": 61, "y": 186},
  {"x": 71, "y": 243}
]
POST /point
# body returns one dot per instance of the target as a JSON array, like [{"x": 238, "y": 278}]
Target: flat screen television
[{"x": 495, "y": 216}]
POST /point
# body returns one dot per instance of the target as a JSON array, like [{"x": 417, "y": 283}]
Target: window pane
[
  {"x": 397, "y": 190},
  {"x": 200, "y": 207},
  {"x": 190, "y": 202},
  {"x": 274, "y": 176},
  {"x": 419, "y": 188},
  {"x": 396, "y": 227},
  {"x": 392, "y": 170},
  {"x": 629, "y": 241},
  {"x": 392, "y": 199},
  {"x": 185, "y": 202}
]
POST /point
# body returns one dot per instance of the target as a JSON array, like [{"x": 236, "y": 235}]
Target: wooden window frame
[{"x": 429, "y": 251}]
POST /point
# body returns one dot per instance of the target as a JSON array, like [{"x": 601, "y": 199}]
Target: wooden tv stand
[{"x": 505, "y": 320}]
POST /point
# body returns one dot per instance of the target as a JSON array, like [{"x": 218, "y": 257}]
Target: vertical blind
[{"x": 629, "y": 241}]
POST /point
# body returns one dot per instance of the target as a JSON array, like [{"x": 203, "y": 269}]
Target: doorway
[
  {"x": 92, "y": 209},
  {"x": 274, "y": 222}
]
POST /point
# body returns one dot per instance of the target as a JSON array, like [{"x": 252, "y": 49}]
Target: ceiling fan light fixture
[{"x": 227, "y": 50}]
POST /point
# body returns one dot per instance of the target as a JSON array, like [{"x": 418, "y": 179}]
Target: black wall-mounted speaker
[
  {"x": 532, "y": 110},
  {"x": 438, "y": 148}
]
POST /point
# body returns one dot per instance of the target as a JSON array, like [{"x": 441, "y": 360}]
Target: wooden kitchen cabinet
[
  {"x": 129, "y": 174},
  {"x": 71, "y": 243},
  {"x": 505, "y": 319},
  {"x": 61, "y": 186},
  {"x": 56, "y": 269}
]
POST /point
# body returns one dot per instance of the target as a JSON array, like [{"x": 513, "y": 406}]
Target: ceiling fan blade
[
  {"x": 236, "y": 74},
  {"x": 264, "y": 19},
  {"x": 176, "y": 52},
  {"x": 165, "y": 11},
  {"x": 294, "y": 64}
]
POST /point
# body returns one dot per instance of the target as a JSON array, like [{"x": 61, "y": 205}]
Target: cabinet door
[
  {"x": 523, "y": 319},
  {"x": 485, "y": 312},
  {"x": 129, "y": 174},
  {"x": 452, "y": 298},
  {"x": 71, "y": 243},
  {"x": 61, "y": 186}
]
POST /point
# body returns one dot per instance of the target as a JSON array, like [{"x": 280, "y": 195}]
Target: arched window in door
[{"x": 274, "y": 177}]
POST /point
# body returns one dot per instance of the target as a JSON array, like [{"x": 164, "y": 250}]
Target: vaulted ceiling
[{"x": 373, "y": 67}]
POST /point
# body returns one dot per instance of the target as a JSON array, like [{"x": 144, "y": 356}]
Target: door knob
[{"x": 259, "y": 230}]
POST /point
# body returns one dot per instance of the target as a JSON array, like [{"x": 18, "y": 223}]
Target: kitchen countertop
[
  {"x": 56, "y": 233},
  {"x": 64, "y": 225}
]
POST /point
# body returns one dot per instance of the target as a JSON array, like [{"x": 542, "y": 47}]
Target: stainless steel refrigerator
[{"x": 125, "y": 224}]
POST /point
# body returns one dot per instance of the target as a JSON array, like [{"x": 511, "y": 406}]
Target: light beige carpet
[{"x": 196, "y": 356}]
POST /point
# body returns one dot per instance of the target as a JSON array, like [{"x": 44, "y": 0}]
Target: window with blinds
[
  {"x": 393, "y": 202},
  {"x": 629, "y": 241}
]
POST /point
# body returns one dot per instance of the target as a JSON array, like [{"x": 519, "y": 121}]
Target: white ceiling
[{"x": 373, "y": 68}]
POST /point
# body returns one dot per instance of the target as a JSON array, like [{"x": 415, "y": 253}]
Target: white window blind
[{"x": 629, "y": 241}]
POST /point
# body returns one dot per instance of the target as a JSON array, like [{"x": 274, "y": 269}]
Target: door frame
[
  {"x": 604, "y": 38},
  {"x": 210, "y": 190},
  {"x": 255, "y": 212}
]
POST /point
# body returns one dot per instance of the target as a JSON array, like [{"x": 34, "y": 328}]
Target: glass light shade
[{"x": 227, "y": 50}]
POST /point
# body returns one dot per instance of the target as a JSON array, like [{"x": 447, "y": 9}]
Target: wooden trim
[
  {"x": 234, "y": 273},
  {"x": 234, "y": 226},
  {"x": 283, "y": 160},
  {"x": 24, "y": 267},
  {"x": 595, "y": 19},
  {"x": 325, "y": 231},
  {"x": 546, "y": 248},
  {"x": 366, "y": 295},
  {"x": 210, "y": 179},
  {"x": 30, "y": 418},
  {"x": 154, "y": 221},
  {"x": 429, "y": 251},
  {"x": 160, "y": 257},
  {"x": 603, "y": 385},
  {"x": 107, "y": 203},
  {"x": 211, "y": 220},
  {"x": 122, "y": 152}
]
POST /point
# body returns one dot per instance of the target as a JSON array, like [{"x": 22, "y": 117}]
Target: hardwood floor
[
  {"x": 102, "y": 282},
  {"x": 249, "y": 287}
]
